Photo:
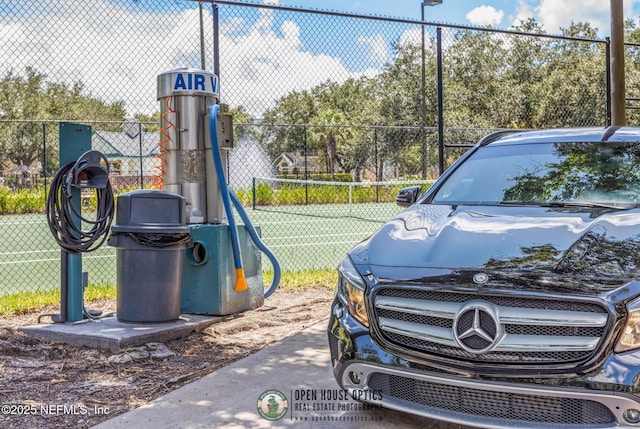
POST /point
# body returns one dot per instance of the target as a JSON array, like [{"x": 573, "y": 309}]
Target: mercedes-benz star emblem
[
  {"x": 476, "y": 327},
  {"x": 480, "y": 278}
]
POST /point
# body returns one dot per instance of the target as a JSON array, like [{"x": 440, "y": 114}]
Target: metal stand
[{"x": 75, "y": 139}]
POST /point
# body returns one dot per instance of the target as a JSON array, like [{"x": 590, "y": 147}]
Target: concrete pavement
[{"x": 296, "y": 369}]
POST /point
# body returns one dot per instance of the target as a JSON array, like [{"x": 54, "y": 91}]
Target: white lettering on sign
[{"x": 195, "y": 82}]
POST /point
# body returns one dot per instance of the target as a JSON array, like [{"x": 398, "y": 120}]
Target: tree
[
  {"x": 26, "y": 101},
  {"x": 151, "y": 122},
  {"x": 341, "y": 111},
  {"x": 491, "y": 81},
  {"x": 475, "y": 67},
  {"x": 573, "y": 85},
  {"x": 243, "y": 124},
  {"x": 287, "y": 134},
  {"x": 326, "y": 118},
  {"x": 632, "y": 70},
  {"x": 524, "y": 74}
]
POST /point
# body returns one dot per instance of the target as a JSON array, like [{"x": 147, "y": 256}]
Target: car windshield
[{"x": 605, "y": 174}]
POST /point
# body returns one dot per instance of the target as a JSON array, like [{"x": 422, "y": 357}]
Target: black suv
[{"x": 508, "y": 294}]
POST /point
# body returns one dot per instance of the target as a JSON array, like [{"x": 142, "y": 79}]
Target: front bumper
[{"x": 595, "y": 400}]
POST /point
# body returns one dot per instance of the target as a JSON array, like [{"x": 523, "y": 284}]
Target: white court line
[
  {"x": 323, "y": 220},
  {"x": 357, "y": 234},
  {"x": 50, "y": 260},
  {"x": 18, "y": 222},
  {"x": 32, "y": 251},
  {"x": 29, "y": 251},
  {"x": 314, "y": 244}
]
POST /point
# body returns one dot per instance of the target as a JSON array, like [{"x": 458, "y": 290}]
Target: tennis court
[{"x": 302, "y": 237}]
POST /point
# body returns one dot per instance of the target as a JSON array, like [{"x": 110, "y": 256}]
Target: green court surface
[
  {"x": 30, "y": 257},
  {"x": 302, "y": 237}
]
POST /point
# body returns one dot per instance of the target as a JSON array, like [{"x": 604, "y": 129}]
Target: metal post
[
  {"x": 253, "y": 192},
  {"x": 306, "y": 176},
  {"x": 202, "y": 62},
  {"x": 440, "y": 102},
  {"x": 618, "y": 97},
  {"x": 44, "y": 155},
  {"x": 216, "y": 40},
  {"x": 607, "y": 54},
  {"x": 75, "y": 139},
  {"x": 141, "y": 166},
  {"x": 423, "y": 107},
  {"x": 64, "y": 273},
  {"x": 423, "y": 96},
  {"x": 375, "y": 148}
]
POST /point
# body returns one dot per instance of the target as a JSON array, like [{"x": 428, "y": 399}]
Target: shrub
[
  {"x": 325, "y": 177},
  {"x": 22, "y": 201}
]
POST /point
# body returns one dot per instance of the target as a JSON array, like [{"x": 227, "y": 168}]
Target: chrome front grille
[{"x": 492, "y": 328}]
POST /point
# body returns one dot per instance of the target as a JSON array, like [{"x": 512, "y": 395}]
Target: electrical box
[
  {"x": 225, "y": 128},
  {"x": 208, "y": 277}
]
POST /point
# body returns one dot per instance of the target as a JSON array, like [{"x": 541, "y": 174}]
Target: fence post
[
  {"x": 607, "y": 56},
  {"x": 253, "y": 193},
  {"x": 350, "y": 198},
  {"x": 202, "y": 62},
  {"x": 306, "y": 177},
  {"x": 216, "y": 40},
  {"x": 375, "y": 148},
  {"x": 44, "y": 156},
  {"x": 141, "y": 166},
  {"x": 423, "y": 110},
  {"x": 440, "y": 103}
]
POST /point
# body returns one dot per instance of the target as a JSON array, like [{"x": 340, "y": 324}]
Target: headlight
[
  {"x": 351, "y": 288},
  {"x": 630, "y": 338}
]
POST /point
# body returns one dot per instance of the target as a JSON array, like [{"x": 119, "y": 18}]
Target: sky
[
  {"x": 552, "y": 14},
  {"x": 266, "y": 54}
]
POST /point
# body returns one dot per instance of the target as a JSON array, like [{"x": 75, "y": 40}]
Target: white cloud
[
  {"x": 69, "y": 46},
  {"x": 523, "y": 12},
  {"x": 261, "y": 66},
  {"x": 554, "y": 14},
  {"x": 118, "y": 54},
  {"x": 378, "y": 45},
  {"x": 485, "y": 15},
  {"x": 411, "y": 37}
]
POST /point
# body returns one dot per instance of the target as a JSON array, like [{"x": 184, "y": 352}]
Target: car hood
[{"x": 552, "y": 249}]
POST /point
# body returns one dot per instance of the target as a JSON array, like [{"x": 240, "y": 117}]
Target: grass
[
  {"x": 303, "y": 279},
  {"x": 25, "y": 302}
]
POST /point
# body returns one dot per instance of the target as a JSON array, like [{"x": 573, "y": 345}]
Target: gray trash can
[{"x": 150, "y": 235}]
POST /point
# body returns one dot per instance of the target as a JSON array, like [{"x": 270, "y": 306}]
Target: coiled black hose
[
  {"x": 160, "y": 239},
  {"x": 62, "y": 215}
]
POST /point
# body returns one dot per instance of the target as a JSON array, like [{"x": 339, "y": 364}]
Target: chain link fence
[{"x": 315, "y": 95}]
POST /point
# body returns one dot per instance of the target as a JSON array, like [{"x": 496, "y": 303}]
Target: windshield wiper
[{"x": 584, "y": 204}]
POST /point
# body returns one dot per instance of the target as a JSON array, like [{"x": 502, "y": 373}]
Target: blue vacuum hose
[
  {"x": 241, "y": 282},
  {"x": 227, "y": 196},
  {"x": 258, "y": 241}
]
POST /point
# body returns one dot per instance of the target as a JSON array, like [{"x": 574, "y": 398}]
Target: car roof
[{"x": 588, "y": 134}]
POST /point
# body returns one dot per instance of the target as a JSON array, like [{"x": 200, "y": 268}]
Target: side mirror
[{"x": 408, "y": 196}]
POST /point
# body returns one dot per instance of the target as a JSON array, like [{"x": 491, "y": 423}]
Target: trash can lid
[{"x": 146, "y": 209}]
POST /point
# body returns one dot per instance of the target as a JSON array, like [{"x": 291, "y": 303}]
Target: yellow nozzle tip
[{"x": 241, "y": 283}]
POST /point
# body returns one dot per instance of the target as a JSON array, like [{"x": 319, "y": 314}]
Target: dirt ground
[{"x": 52, "y": 385}]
